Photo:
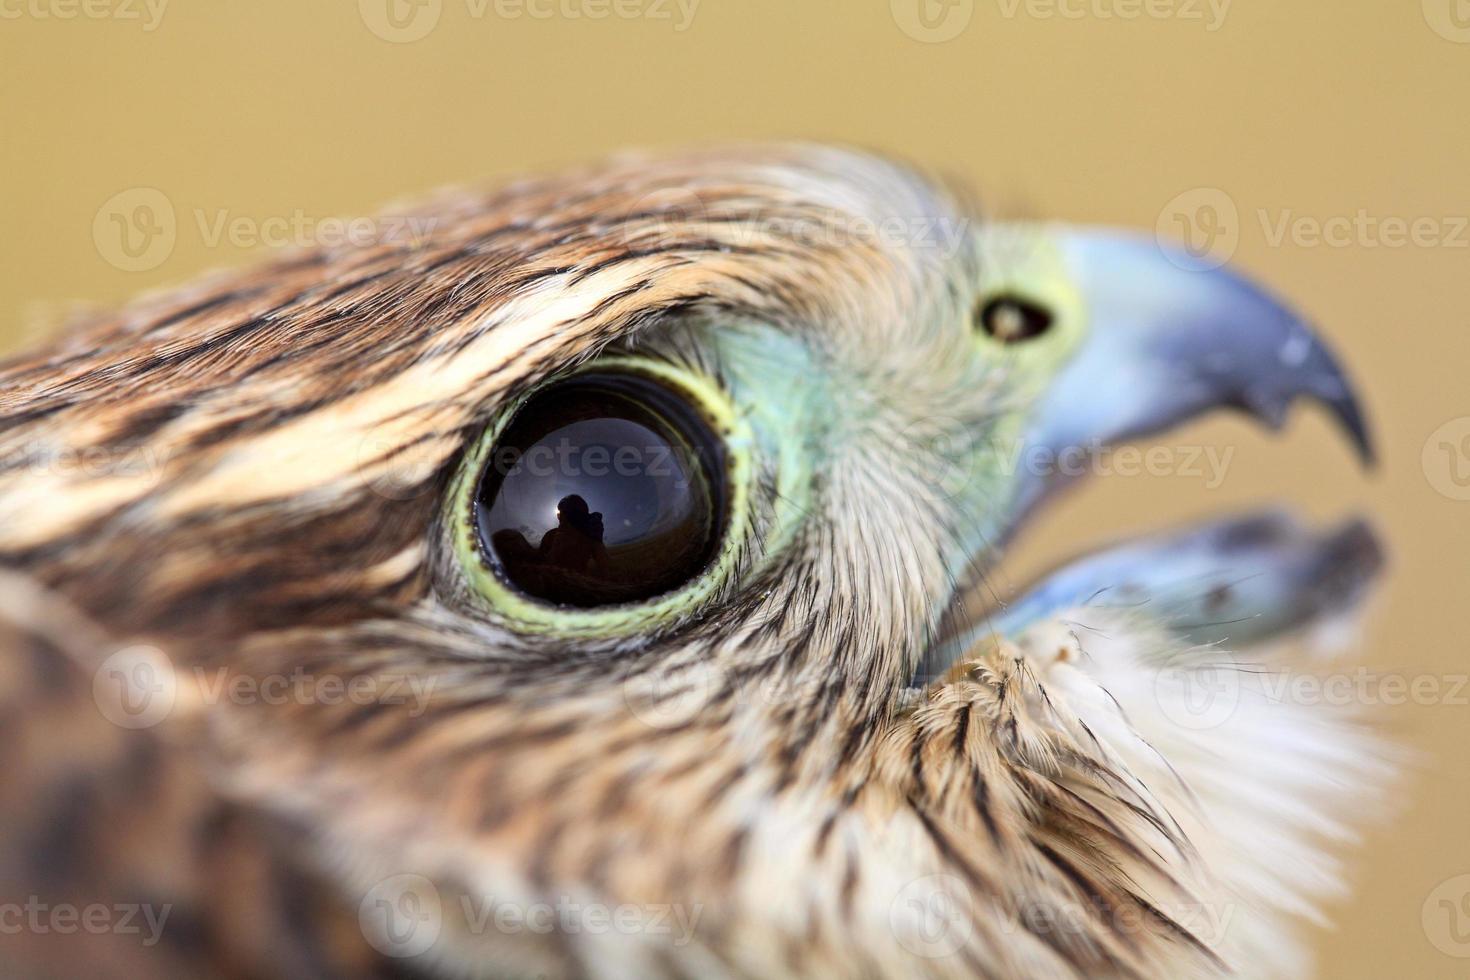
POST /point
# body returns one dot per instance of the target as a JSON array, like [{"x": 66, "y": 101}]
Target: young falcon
[{"x": 557, "y": 592}]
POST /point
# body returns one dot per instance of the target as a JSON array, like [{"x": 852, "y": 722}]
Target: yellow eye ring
[{"x": 511, "y": 582}]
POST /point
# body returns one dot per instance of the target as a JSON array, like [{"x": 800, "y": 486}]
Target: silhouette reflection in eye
[
  {"x": 574, "y": 545},
  {"x": 605, "y": 488}
]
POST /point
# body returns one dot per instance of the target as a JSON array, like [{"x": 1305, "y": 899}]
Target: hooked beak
[
  {"x": 1239, "y": 581},
  {"x": 1242, "y": 580},
  {"x": 1168, "y": 340}
]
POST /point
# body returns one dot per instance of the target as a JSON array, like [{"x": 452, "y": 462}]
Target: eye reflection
[{"x": 605, "y": 488}]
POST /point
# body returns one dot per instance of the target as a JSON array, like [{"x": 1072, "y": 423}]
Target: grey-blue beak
[
  {"x": 1235, "y": 582},
  {"x": 1241, "y": 580},
  {"x": 1168, "y": 340}
]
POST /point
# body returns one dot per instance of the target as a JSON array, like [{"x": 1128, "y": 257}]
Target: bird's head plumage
[{"x": 307, "y": 497}]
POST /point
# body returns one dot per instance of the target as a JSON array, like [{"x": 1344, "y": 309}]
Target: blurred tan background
[{"x": 1324, "y": 146}]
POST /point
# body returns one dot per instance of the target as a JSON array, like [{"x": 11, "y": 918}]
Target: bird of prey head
[{"x": 588, "y": 585}]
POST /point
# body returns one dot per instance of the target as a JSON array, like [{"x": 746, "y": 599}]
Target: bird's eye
[
  {"x": 608, "y": 487},
  {"x": 1011, "y": 319}
]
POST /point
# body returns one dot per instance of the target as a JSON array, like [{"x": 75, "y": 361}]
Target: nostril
[{"x": 1010, "y": 319}]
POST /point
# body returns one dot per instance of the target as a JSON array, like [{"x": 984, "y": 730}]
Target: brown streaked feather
[
  {"x": 270, "y": 452},
  {"x": 257, "y": 407}
]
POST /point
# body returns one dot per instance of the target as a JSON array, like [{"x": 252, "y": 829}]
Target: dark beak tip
[{"x": 1353, "y": 421}]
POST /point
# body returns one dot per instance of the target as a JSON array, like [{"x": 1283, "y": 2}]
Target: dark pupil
[
  {"x": 1009, "y": 319},
  {"x": 604, "y": 488}
]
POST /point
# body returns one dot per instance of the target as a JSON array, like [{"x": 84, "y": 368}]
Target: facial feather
[{"x": 758, "y": 764}]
